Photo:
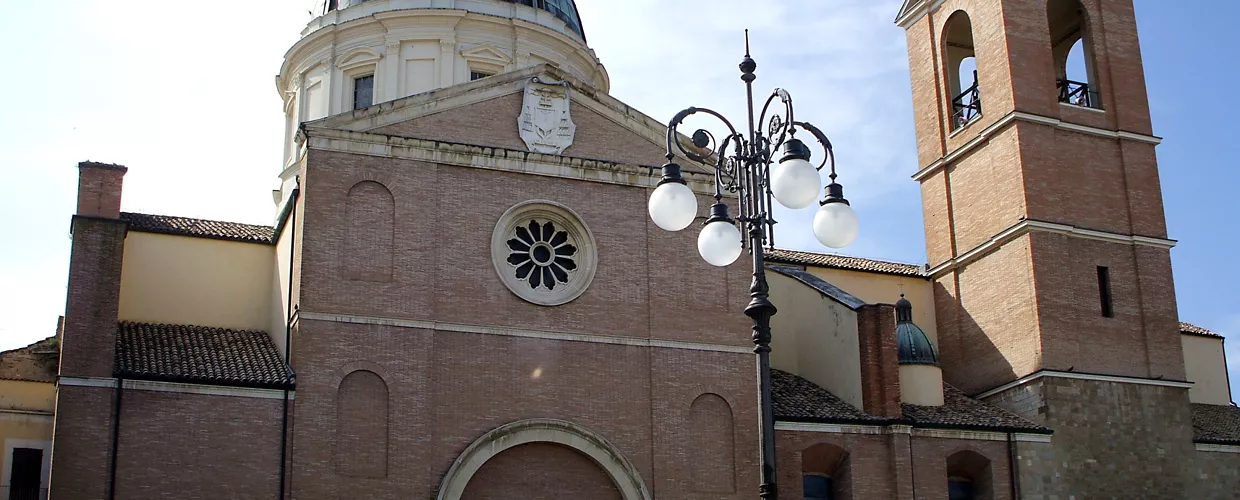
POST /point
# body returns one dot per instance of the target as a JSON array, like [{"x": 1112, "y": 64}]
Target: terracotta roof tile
[
  {"x": 961, "y": 411},
  {"x": 843, "y": 262},
  {"x": 201, "y": 228},
  {"x": 199, "y": 354},
  {"x": 1191, "y": 329},
  {"x": 799, "y": 400},
  {"x": 1216, "y": 424}
]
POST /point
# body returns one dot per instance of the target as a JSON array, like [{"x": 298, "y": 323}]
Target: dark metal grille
[
  {"x": 363, "y": 92},
  {"x": 542, "y": 255},
  {"x": 564, "y": 10},
  {"x": 23, "y": 493},
  {"x": 1077, "y": 93},
  {"x": 478, "y": 75},
  {"x": 967, "y": 106}
]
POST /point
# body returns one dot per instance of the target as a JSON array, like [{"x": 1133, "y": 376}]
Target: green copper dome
[{"x": 914, "y": 346}]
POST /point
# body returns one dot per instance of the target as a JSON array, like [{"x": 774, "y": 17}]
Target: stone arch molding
[{"x": 543, "y": 430}]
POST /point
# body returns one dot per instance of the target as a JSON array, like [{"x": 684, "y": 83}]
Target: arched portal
[{"x": 545, "y": 431}]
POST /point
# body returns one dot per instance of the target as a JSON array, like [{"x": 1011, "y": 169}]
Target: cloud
[{"x": 844, "y": 62}]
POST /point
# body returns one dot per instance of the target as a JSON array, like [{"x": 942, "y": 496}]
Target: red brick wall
[
  {"x": 450, "y": 387},
  {"x": 542, "y": 471},
  {"x": 195, "y": 446},
  {"x": 993, "y": 325},
  {"x": 1140, "y": 340},
  {"x": 81, "y": 442},
  {"x": 99, "y": 189},
  {"x": 89, "y": 339},
  {"x": 886, "y": 466},
  {"x": 990, "y": 332},
  {"x": 880, "y": 368}
]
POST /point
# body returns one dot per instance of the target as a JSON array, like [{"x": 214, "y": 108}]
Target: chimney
[
  {"x": 88, "y": 342},
  {"x": 99, "y": 189},
  {"x": 880, "y": 370}
]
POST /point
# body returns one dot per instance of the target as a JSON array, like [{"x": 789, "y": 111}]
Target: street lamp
[{"x": 742, "y": 165}]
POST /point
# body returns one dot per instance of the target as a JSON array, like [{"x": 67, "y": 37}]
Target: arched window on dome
[
  {"x": 1072, "y": 50},
  {"x": 961, "y": 70}
]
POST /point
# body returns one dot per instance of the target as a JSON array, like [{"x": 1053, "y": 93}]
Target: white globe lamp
[
  {"x": 720, "y": 241},
  {"x": 672, "y": 205},
  {"x": 836, "y": 224},
  {"x": 794, "y": 180}
]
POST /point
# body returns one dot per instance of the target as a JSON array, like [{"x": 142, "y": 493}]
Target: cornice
[
  {"x": 1027, "y": 226},
  {"x": 304, "y": 315},
  {"x": 1011, "y": 118},
  {"x": 495, "y": 158},
  {"x": 1083, "y": 376}
]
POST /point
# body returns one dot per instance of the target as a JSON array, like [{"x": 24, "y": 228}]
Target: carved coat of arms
[{"x": 546, "y": 126}]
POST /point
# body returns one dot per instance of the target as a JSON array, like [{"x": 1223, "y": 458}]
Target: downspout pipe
[
  {"x": 288, "y": 336},
  {"x": 116, "y": 435},
  {"x": 1013, "y": 465}
]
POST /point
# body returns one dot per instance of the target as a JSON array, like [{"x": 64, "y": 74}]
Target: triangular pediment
[
  {"x": 486, "y": 112},
  {"x": 487, "y": 53},
  {"x": 913, "y": 10}
]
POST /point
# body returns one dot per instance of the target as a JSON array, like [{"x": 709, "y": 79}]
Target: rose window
[
  {"x": 542, "y": 255},
  {"x": 543, "y": 252}
]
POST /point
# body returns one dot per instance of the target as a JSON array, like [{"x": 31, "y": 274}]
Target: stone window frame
[
  {"x": 585, "y": 258},
  {"x": 355, "y": 63},
  {"x": 619, "y": 469}
]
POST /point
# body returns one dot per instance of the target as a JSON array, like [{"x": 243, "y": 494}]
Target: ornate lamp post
[{"x": 742, "y": 165}]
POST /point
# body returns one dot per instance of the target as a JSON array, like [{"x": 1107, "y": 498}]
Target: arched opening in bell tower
[
  {"x": 961, "y": 70},
  {"x": 1072, "y": 53}
]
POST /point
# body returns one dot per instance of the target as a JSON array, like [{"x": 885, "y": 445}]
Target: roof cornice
[{"x": 913, "y": 10}]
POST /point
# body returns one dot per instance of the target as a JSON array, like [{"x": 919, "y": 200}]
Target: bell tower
[{"x": 1045, "y": 229}]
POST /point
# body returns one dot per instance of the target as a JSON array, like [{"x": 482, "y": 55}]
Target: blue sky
[{"x": 183, "y": 94}]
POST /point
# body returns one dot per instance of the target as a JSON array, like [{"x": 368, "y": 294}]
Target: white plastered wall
[
  {"x": 815, "y": 337},
  {"x": 1206, "y": 368},
  {"x": 197, "y": 281},
  {"x": 876, "y": 288}
]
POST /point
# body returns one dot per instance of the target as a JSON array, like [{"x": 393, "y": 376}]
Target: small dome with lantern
[{"x": 914, "y": 345}]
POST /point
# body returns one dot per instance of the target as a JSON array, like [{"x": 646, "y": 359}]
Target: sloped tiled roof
[
  {"x": 1191, "y": 329},
  {"x": 819, "y": 284},
  {"x": 201, "y": 355},
  {"x": 799, "y": 400},
  {"x": 843, "y": 262},
  {"x": 201, "y": 228},
  {"x": 1216, "y": 424},
  {"x": 37, "y": 362},
  {"x": 961, "y": 411}
]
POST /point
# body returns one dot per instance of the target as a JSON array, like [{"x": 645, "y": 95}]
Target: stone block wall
[{"x": 1112, "y": 439}]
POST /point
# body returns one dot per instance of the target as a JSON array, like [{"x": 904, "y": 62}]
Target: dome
[
  {"x": 914, "y": 346},
  {"x": 564, "y": 10}
]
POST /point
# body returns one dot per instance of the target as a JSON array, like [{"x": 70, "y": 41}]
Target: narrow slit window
[
  {"x": 1104, "y": 291},
  {"x": 363, "y": 91},
  {"x": 478, "y": 75}
]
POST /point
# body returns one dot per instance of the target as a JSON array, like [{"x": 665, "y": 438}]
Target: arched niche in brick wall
[
  {"x": 362, "y": 425},
  {"x": 543, "y": 430},
  {"x": 969, "y": 476},
  {"x": 714, "y": 441},
  {"x": 370, "y": 229},
  {"x": 826, "y": 472}
]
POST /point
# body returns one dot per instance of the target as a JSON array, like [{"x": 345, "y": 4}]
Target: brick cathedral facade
[{"x": 445, "y": 308}]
